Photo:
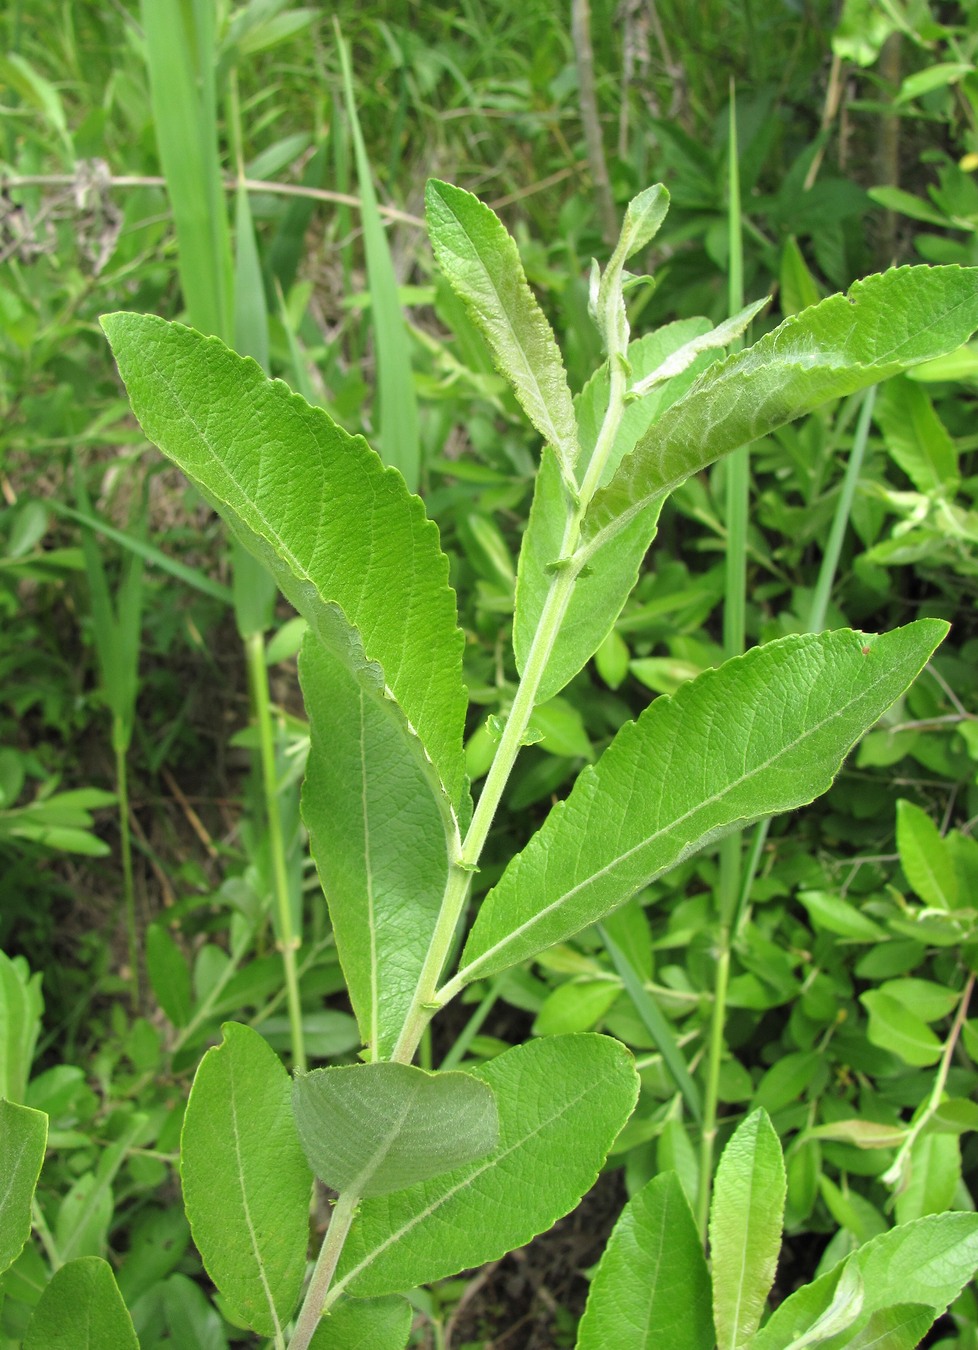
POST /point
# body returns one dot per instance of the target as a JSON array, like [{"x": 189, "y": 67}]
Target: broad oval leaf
[
  {"x": 81, "y": 1309},
  {"x": 377, "y": 1128},
  {"x": 898, "y": 1029},
  {"x": 347, "y": 543},
  {"x": 246, "y": 1184},
  {"x": 23, "y": 1139},
  {"x": 652, "y": 1286},
  {"x": 745, "y": 1229},
  {"x": 765, "y": 732},
  {"x": 927, "y": 1262},
  {"x": 561, "y": 1102},
  {"x": 365, "y": 1324},
  {"x": 884, "y": 325},
  {"x": 925, "y": 857},
  {"x": 480, "y": 261}
]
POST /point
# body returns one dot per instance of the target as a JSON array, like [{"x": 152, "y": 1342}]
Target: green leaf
[
  {"x": 745, "y": 1229},
  {"x": 884, "y": 325},
  {"x": 928, "y": 1001},
  {"x": 895, "y": 1028},
  {"x": 916, "y": 438},
  {"x": 481, "y": 263},
  {"x": 377, "y": 1128},
  {"x": 23, "y": 1139},
  {"x": 652, "y": 1286},
  {"x": 835, "y": 915},
  {"x": 246, "y": 1185},
  {"x": 934, "y": 1175},
  {"x": 169, "y": 975},
  {"x": 927, "y": 1262},
  {"x": 365, "y": 1324},
  {"x": 601, "y": 592},
  {"x": 344, "y": 539},
  {"x": 924, "y": 857},
  {"x": 764, "y": 733},
  {"x": 81, "y": 1309},
  {"x": 899, "y": 1327},
  {"x": 561, "y": 1102},
  {"x": 378, "y": 837},
  {"x": 21, "y": 1005}
]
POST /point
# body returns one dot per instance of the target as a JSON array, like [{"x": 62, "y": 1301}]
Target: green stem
[
  {"x": 843, "y": 510},
  {"x": 120, "y": 746},
  {"x": 311, "y": 1311},
  {"x": 709, "y": 1132},
  {"x": 288, "y": 942}
]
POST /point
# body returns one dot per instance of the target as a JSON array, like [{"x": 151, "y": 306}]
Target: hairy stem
[{"x": 329, "y": 1254}]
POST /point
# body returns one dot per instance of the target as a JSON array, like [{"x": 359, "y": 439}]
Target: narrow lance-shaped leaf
[
  {"x": 745, "y": 1229},
  {"x": 481, "y": 262},
  {"x": 885, "y": 324},
  {"x": 652, "y": 1286},
  {"x": 348, "y": 545},
  {"x": 246, "y": 1185},
  {"x": 766, "y": 732},
  {"x": 561, "y": 1102},
  {"x": 376, "y": 1128}
]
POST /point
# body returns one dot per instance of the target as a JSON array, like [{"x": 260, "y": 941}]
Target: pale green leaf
[
  {"x": 899, "y": 1327},
  {"x": 600, "y": 593},
  {"x": 835, "y": 915},
  {"x": 745, "y": 1229},
  {"x": 934, "y": 1174},
  {"x": 927, "y": 1262},
  {"x": 365, "y": 1324},
  {"x": 377, "y": 1128},
  {"x": 346, "y": 542},
  {"x": 21, "y": 1005},
  {"x": 927, "y": 1000},
  {"x": 681, "y": 359},
  {"x": 378, "y": 837},
  {"x": 23, "y": 1138},
  {"x": 764, "y": 733},
  {"x": 895, "y": 1028},
  {"x": 862, "y": 1133},
  {"x": 81, "y": 1309},
  {"x": 916, "y": 438},
  {"x": 652, "y": 1287},
  {"x": 924, "y": 857},
  {"x": 561, "y": 1102},
  {"x": 481, "y": 262},
  {"x": 884, "y": 325},
  {"x": 246, "y": 1185},
  {"x": 643, "y": 217}
]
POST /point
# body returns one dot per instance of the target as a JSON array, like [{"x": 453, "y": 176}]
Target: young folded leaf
[
  {"x": 885, "y": 324},
  {"x": 598, "y": 596},
  {"x": 764, "y": 733},
  {"x": 652, "y": 1286},
  {"x": 925, "y": 1263},
  {"x": 246, "y": 1185},
  {"x": 481, "y": 263},
  {"x": 561, "y": 1102},
  {"x": 346, "y": 542},
  {"x": 377, "y": 1128},
  {"x": 745, "y": 1229}
]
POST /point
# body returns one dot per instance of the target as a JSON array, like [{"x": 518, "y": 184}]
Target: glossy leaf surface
[
  {"x": 652, "y": 1286},
  {"x": 246, "y": 1184},
  {"x": 765, "y": 732},
  {"x": 561, "y": 1102},
  {"x": 376, "y": 1128}
]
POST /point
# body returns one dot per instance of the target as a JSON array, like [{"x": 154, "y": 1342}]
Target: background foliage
[{"x": 124, "y": 679}]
